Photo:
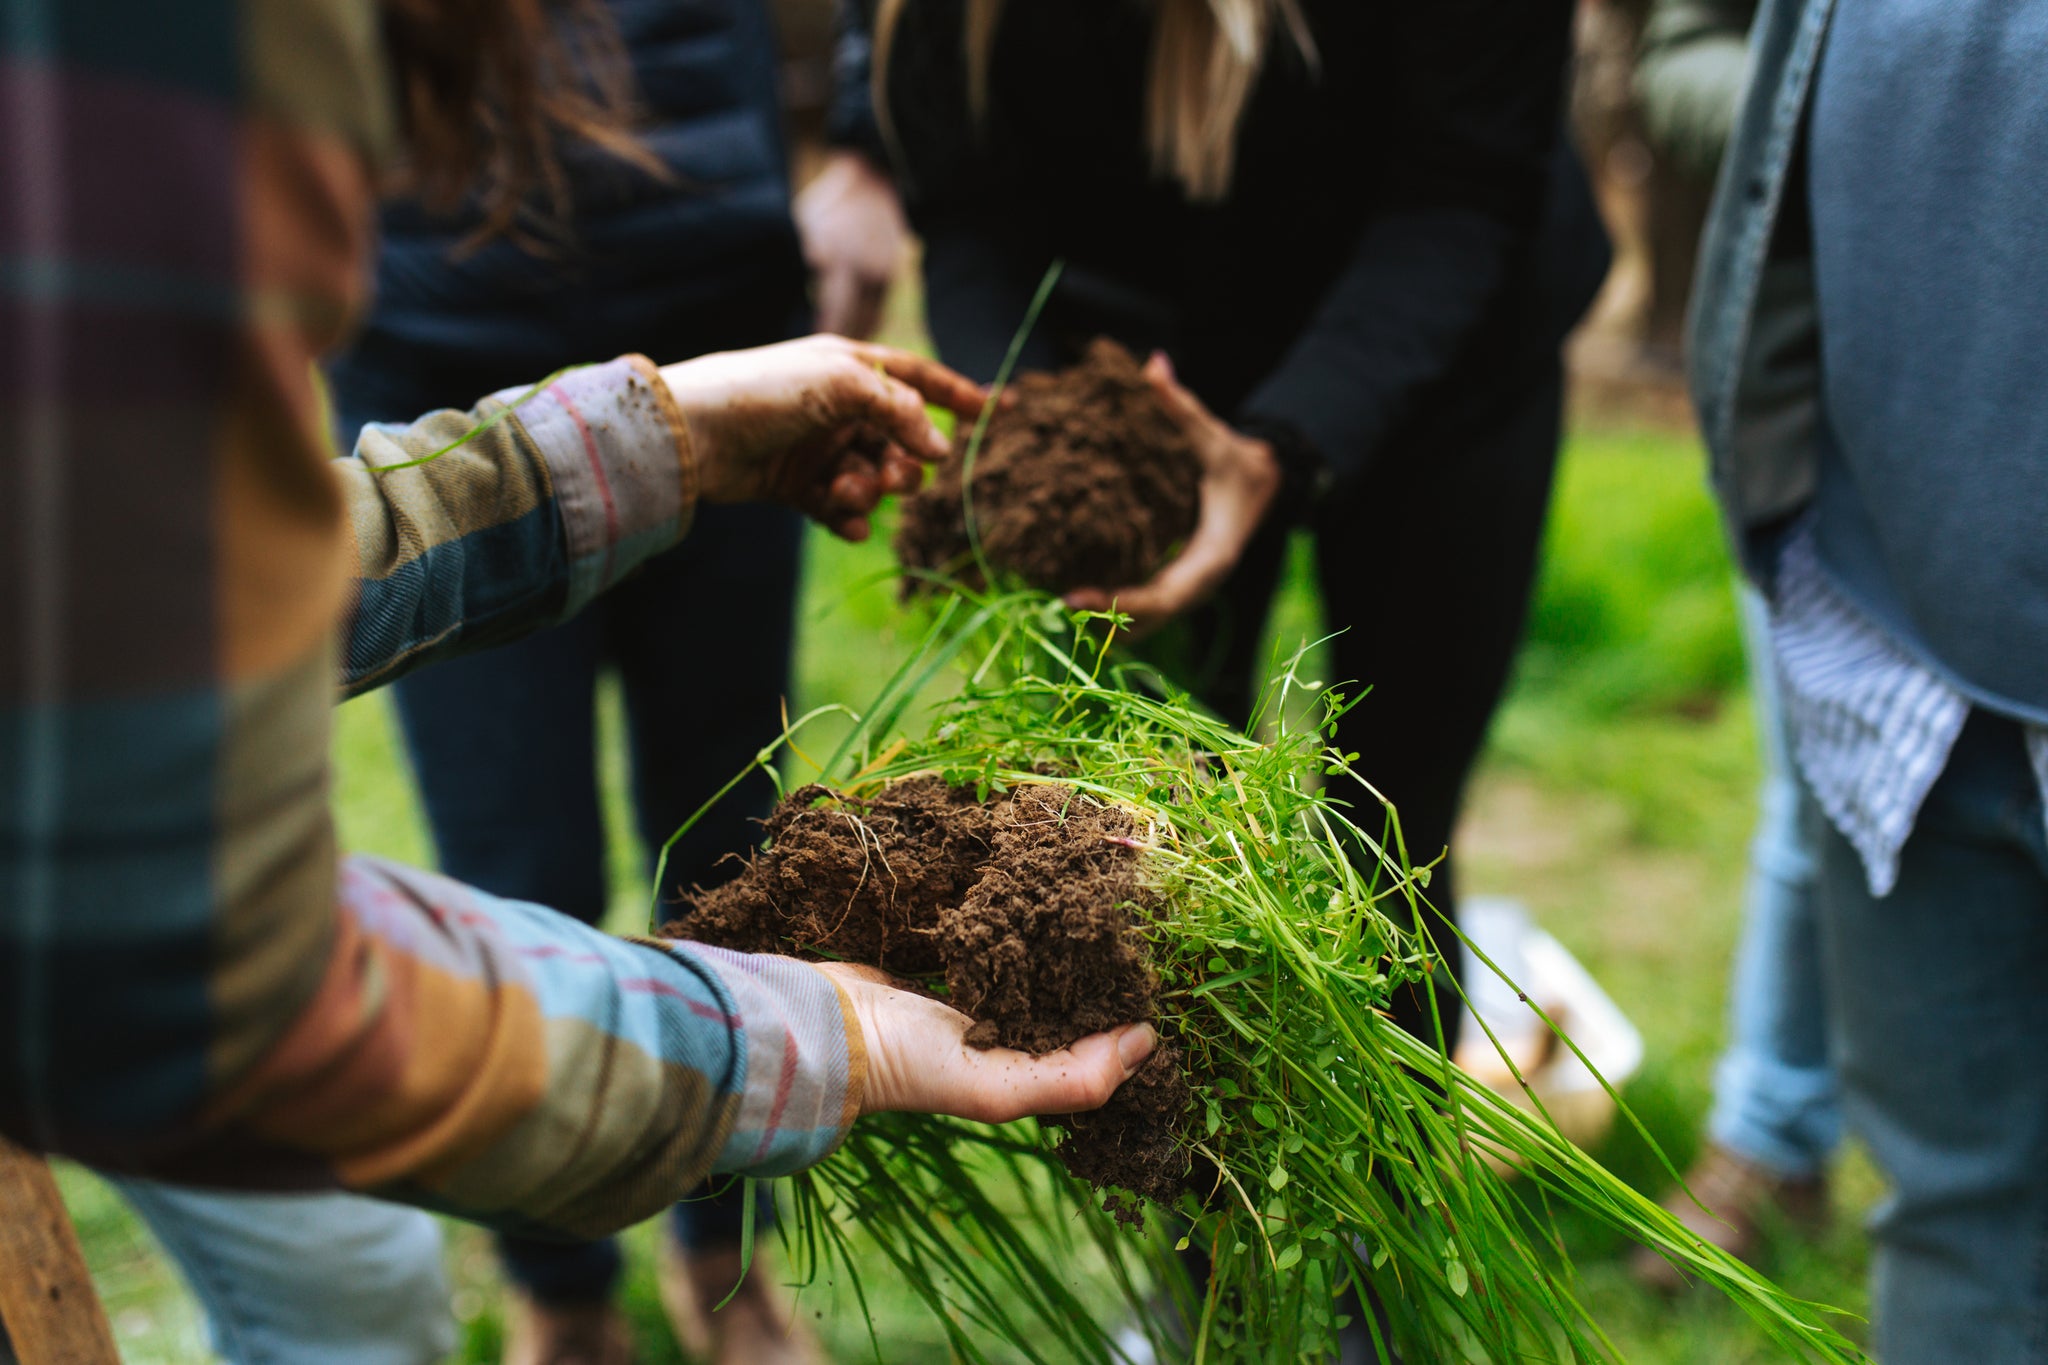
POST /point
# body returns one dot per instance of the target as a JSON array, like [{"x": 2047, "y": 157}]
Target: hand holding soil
[
  {"x": 1083, "y": 477},
  {"x": 822, "y": 424},
  {"x": 1087, "y": 483},
  {"x": 919, "y": 1061},
  {"x": 1240, "y": 477}
]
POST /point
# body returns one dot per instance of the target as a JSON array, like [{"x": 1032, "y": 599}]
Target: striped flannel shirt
[
  {"x": 194, "y": 982},
  {"x": 1871, "y": 726}
]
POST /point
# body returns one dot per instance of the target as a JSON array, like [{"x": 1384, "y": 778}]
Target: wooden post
[{"x": 47, "y": 1303}]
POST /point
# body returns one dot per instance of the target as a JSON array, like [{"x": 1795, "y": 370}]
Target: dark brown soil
[
  {"x": 861, "y": 881},
  {"x": 1083, "y": 480},
  {"x": 1028, "y": 908}
]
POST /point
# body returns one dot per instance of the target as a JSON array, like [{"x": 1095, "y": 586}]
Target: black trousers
[{"x": 1426, "y": 565}]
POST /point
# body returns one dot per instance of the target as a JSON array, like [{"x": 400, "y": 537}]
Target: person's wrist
[
  {"x": 664, "y": 396},
  {"x": 693, "y": 398},
  {"x": 1262, "y": 457},
  {"x": 1304, "y": 475},
  {"x": 856, "y": 1042},
  {"x": 857, "y": 162},
  {"x": 1259, "y": 471}
]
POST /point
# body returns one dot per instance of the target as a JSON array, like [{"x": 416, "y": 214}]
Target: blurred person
[
  {"x": 697, "y": 254},
  {"x": 1776, "y": 1118},
  {"x": 1865, "y": 352},
  {"x": 698, "y": 258},
  {"x": 200, "y": 987},
  {"x": 1355, "y": 239}
]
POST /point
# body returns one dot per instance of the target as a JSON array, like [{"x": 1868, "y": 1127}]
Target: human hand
[
  {"x": 1240, "y": 476},
  {"x": 918, "y": 1063},
  {"x": 853, "y": 232},
  {"x": 822, "y": 424}
]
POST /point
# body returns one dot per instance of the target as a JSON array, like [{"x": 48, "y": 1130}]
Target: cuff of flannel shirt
[
  {"x": 619, "y": 459},
  {"x": 806, "y": 1062}
]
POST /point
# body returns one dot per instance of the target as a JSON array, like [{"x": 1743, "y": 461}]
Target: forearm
[
  {"x": 502, "y": 1062},
  {"x": 516, "y": 528},
  {"x": 201, "y": 990}
]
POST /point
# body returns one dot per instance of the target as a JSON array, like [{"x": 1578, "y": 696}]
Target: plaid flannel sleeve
[
  {"x": 473, "y": 527},
  {"x": 194, "y": 982}
]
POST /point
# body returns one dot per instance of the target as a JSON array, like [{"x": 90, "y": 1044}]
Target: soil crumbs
[
  {"x": 1083, "y": 480},
  {"x": 1027, "y": 906}
]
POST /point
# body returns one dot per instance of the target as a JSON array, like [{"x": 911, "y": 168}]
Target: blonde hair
[{"x": 1206, "y": 57}]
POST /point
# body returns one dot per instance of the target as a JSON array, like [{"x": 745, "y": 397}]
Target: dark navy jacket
[{"x": 707, "y": 262}]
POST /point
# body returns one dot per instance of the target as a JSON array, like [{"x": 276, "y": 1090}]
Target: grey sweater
[{"x": 1928, "y": 183}]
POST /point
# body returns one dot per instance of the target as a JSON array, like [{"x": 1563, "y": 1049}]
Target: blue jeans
[
  {"x": 1775, "y": 1100},
  {"x": 1938, "y": 996},
  {"x": 325, "y": 1279}
]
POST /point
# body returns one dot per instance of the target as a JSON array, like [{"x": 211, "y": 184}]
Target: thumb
[
  {"x": 1077, "y": 1078},
  {"x": 1187, "y": 409}
]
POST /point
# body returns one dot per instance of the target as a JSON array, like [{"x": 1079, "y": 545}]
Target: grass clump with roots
[{"x": 1332, "y": 1150}]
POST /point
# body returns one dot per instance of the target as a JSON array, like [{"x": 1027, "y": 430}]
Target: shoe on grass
[
  {"x": 565, "y": 1334},
  {"x": 1742, "y": 1201}
]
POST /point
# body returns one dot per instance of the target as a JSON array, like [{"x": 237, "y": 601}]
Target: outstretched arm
[
  {"x": 470, "y": 528},
  {"x": 193, "y": 982}
]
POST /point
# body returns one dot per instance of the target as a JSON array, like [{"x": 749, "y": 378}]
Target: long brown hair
[
  {"x": 488, "y": 90},
  {"x": 1206, "y": 57}
]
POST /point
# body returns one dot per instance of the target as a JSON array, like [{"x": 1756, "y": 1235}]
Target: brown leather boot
[
  {"x": 576, "y": 1334},
  {"x": 1742, "y": 1199}
]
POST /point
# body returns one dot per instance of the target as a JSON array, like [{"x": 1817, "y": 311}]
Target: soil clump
[
  {"x": 856, "y": 880},
  {"x": 1083, "y": 480},
  {"x": 1024, "y": 912}
]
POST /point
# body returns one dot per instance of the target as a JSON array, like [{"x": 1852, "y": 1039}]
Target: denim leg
[
  {"x": 305, "y": 1279},
  {"x": 1775, "y": 1098},
  {"x": 1942, "y": 1025}
]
